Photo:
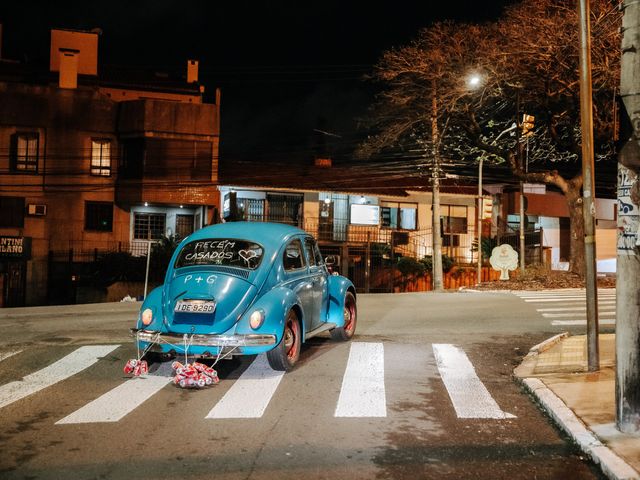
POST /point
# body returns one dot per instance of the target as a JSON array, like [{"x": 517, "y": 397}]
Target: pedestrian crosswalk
[
  {"x": 567, "y": 307},
  {"x": 362, "y": 392},
  {"x": 469, "y": 396},
  {"x": 64, "y": 368}
]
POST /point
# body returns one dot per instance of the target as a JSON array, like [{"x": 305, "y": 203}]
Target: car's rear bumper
[{"x": 202, "y": 341}]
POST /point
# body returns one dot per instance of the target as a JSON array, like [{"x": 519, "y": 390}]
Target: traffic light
[{"x": 527, "y": 125}]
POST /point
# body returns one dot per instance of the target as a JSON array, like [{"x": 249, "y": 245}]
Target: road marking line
[
  {"x": 559, "y": 315},
  {"x": 582, "y": 322},
  {"x": 5, "y": 355},
  {"x": 363, "y": 393},
  {"x": 250, "y": 395},
  {"x": 566, "y": 294},
  {"x": 607, "y": 306},
  {"x": 469, "y": 396},
  {"x": 542, "y": 300},
  {"x": 118, "y": 402},
  {"x": 64, "y": 368},
  {"x": 571, "y": 291}
]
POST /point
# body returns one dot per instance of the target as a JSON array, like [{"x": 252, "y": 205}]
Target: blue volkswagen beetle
[{"x": 245, "y": 288}]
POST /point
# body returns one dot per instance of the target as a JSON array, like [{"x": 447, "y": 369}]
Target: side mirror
[{"x": 332, "y": 260}]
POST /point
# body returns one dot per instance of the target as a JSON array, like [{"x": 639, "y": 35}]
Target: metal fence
[{"x": 368, "y": 254}]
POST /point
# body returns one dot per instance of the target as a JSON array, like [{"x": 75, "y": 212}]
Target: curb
[
  {"x": 614, "y": 467},
  {"x": 60, "y": 311},
  {"x": 548, "y": 343}
]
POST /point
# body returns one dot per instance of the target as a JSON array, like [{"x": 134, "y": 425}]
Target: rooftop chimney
[
  {"x": 85, "y": 44},
  {"x": 192, "y": 71},
  {"x": 68, "y": 63}
]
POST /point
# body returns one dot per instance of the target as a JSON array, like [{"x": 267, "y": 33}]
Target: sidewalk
[{"x": 582, "y": 403}]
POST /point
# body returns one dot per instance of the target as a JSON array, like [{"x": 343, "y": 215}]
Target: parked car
[{"x": 245, "y": 288}]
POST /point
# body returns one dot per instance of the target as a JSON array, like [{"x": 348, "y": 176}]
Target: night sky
[{"x": 285, "y": 68}]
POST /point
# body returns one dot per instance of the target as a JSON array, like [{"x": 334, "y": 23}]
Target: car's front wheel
[
  {"x": 350, "y": 313},
  {"x": 286, "y": 354}
]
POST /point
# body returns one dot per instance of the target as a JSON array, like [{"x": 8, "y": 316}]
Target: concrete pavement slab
[{"x": 582, "y": 403}]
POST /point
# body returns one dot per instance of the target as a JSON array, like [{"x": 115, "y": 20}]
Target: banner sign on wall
[{"x": 15, "y": 247}]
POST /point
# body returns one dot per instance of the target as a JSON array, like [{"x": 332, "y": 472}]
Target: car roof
[{"x": 269, "y": 235}]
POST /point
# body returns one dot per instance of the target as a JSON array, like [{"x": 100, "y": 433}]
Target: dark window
[
  {"x": 309, "y": 245},
  {"x": 12, "y": 212},
  {"x": 100, "y": 157},
  {"x": 450, "y": 240},
  {"x": 221, "y": 251},
  {"x": 149, "y": 226},
  {"x": 184, "y": 226},
  {"x": 454, "y": 219},
  {"x": 24, "y": 152},
  {"x": 399, "y": 215},
  {"x": 166, "y": 158},
  {"x": 293, "y": 257},
  {"x": 284, "y": 208},
  {"x": 132, "y": 158},
  {"x": 315, "y": 257},
  {"x": 98, "y": 216},
  {"x": 250, "y": 209}
]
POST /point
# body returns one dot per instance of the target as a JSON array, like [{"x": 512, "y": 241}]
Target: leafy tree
[{"x": 528, "y": 63}]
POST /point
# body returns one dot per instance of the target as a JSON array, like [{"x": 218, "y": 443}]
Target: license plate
[{"x": 194, "y": 306}]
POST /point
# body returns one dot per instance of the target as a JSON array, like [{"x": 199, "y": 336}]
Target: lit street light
[{"x": 474, "y": 82}]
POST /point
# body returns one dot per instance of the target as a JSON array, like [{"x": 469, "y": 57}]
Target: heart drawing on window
[{"x": 247, "y": 254}]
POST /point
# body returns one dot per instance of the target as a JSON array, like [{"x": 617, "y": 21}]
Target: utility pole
[
  {"x": 479, "y": 222},
  {"x": 436, "y": 233},
  {"x": 521, "y": 242},
  {"x": 588, "y": 186},
  {"x": 628, "y": 260}
]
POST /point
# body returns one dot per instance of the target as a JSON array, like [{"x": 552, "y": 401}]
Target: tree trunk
[{"x": 576, "y": 231}]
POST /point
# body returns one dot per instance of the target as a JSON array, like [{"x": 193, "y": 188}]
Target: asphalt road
[{"x": 389, "y": 404}]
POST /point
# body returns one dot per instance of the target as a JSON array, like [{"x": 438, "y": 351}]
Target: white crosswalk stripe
[
  {"x": 581, "y": 321},
  {"x": 120, "y": 401},
  {"x": 362, "y": 393},
  {"x": 64, "y": 368},
  {"x": 469, "y": 396},
  {"x": 11, "y": 353},
  {"x": 572, "y": 311},
  {"x": 251, "y": 393}
]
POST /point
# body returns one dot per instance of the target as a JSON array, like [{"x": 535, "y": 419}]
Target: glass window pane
[
  {"x": 293, "y": 257},
  {"x": 408, "y": 218},
  {"x": 101, "y": 157}
]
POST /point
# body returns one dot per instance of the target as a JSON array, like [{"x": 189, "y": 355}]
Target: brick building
[{"x": 95, "y": 159}]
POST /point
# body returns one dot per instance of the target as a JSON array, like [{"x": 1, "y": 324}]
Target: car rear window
[{"x": 227, "y": 252}]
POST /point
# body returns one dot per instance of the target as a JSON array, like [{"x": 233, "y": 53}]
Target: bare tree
[
  {"x": 424, "y": 88},
  {"x": 528, "y": 62}
]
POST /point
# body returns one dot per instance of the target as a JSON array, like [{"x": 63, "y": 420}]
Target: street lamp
[{"x": 474, "y": 81}]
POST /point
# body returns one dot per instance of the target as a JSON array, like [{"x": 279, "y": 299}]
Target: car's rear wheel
[
  {"x": 350, "y": 313},
  {"x": 286, "y": 354}
]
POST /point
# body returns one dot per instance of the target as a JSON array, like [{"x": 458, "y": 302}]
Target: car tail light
[{"x": 147, "y": 316}]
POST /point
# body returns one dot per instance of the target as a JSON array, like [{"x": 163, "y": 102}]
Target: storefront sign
[{"x": 15, "y": 247}]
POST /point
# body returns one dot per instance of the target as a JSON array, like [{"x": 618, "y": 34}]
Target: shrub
[
  {"x": 117, "y": 267},
  {"x": 410, "y": 266},
  {"x": 447, "y": 263}
]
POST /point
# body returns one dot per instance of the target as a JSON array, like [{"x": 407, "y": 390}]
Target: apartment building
[{"x": 95, "y": 159}]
